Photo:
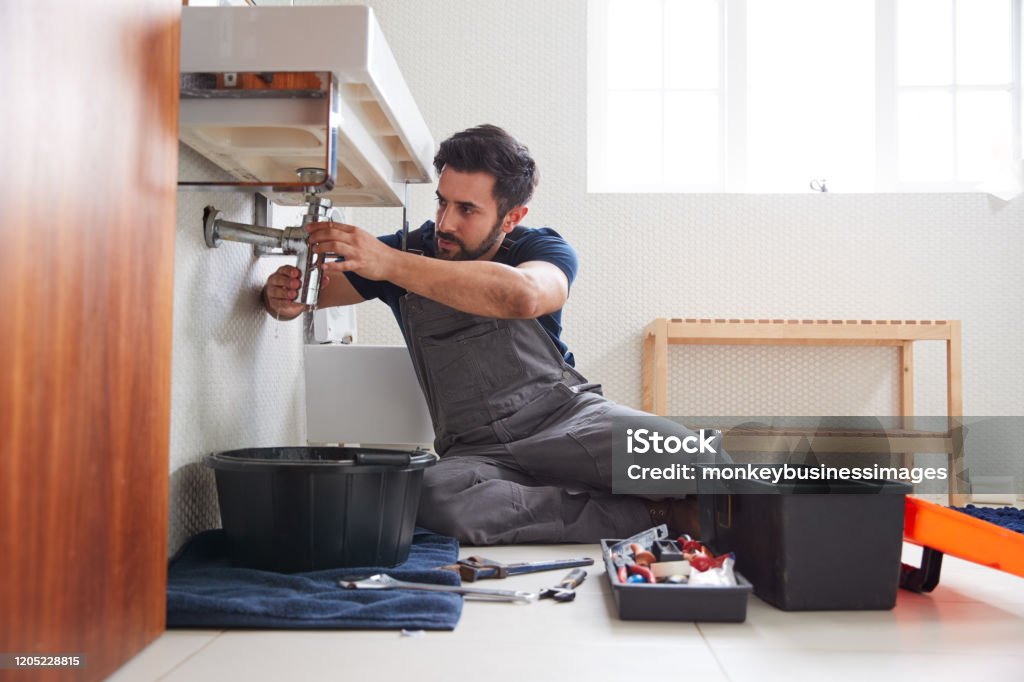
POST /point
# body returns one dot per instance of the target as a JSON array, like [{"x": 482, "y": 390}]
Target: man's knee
[
  {"x": 442, "y": 497},
  {"x": 435, "y": 516},
  {"x": 451, "y": 514},
  {"x": 473, "y": 509}
]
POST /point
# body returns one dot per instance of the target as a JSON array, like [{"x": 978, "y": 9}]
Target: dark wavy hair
[{"x": 490, "y": 149}]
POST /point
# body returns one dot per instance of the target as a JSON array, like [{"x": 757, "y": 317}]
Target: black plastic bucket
[{"x": 311, "y": 508}]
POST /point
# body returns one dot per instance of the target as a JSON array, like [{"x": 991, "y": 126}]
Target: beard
[{"x": 463, "y": 253}]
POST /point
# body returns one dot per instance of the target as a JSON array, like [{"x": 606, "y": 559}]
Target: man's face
[{"x": 468, "y": 225}]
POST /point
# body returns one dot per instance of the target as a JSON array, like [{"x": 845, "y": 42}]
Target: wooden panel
[
  {"x": 660, "y": 368},
  {"x": 959, "y": 487},
  {"x": 786, "y": 331},
  {"x": 661, "y": 332},
  {"x": 647, "y": 372},
  {"x": 906, "y": 382},
  {"x": 88, "y": 129},
  {"x": 906, "y": 390},
  {"x": 747, "y": 341}
]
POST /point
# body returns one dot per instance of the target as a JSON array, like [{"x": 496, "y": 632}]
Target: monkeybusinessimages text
[{"x": 646, "y": 441}]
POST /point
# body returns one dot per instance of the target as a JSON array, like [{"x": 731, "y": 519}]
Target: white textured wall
[
  {"x": 521, "y": 64},
  {"x": 237, "y": 374}
]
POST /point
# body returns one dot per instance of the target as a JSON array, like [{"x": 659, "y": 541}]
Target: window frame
[{"x": 732, "y": 91}]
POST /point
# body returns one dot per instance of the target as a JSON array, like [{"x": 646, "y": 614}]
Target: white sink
[{"x": 383, "y": 139}]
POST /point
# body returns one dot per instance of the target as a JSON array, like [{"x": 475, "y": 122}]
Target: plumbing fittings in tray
[{"x": 655, "y": 578}]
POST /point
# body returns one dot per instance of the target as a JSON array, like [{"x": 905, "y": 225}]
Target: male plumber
[{"x": 524, "y": 439}]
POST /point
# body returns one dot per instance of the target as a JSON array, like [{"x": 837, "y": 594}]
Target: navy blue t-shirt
[{"x": 521, "y": 245}]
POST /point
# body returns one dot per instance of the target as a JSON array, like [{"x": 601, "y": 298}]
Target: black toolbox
[
  {"x": 661, "y": 601},
  {"x": 809, "y": 545}
]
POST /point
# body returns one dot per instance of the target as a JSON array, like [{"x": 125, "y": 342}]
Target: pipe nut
[{"x": 210, "y": 232}]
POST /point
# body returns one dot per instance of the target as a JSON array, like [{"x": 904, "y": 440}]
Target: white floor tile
[
  {"x": 851, "y": 666},
  {"x": 966, "y": 581},
  {"x": 160, "y": 657},
  {"x": 974, "y": 609},
  {"x": 970, "y": 627},
  {"x": 271, "y": 657},
  {"x": 917, "y": 624},
  {"x": 591, "y": 617}
]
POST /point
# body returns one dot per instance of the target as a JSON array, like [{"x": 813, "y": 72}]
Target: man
[{"x": 524, "y": 439}]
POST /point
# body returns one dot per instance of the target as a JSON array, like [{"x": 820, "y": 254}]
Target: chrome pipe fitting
[{"x": 290, "y": 240}]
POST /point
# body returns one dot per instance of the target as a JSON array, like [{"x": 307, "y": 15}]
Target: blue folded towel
[{"x": 205, "y": 591}]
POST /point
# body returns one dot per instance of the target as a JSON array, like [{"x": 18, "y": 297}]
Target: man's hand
[
  {"x": 486, "y": 288},
  {"x": 280, "y": 291},
  {"x": 363, "y": 253}
]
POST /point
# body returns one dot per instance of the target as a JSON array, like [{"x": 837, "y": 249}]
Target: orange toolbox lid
[{"x": 963, "y": 536}]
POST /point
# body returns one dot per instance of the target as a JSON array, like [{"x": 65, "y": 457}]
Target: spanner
[{"x": 382, "y": 581}]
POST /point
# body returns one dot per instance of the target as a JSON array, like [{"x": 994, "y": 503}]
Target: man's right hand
[{"x": 280, "y": 292}]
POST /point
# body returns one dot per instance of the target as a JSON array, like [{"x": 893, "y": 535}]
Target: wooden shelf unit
[{"x": 902, "y": 334}]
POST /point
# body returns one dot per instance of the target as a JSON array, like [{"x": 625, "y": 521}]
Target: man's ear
[{"x": 513, "y": 218}]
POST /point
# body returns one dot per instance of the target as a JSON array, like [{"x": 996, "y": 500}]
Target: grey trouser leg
[
  {"x": 483, "y": 501},
  {"x": 579, "y": 449},
  {"x": 526, "y": 439},
  {"x": 553, "y": 486}
]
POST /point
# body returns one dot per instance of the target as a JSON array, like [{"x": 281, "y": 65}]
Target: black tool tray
[{"x": 660, "y": 601}]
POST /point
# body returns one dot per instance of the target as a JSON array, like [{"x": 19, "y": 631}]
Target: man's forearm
[{"x": 478, "y": 287}]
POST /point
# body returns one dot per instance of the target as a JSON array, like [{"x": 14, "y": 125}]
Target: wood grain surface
[{"x": 88, "y": 133}]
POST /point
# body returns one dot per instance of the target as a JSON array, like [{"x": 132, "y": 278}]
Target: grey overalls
[{"x": 524, "y": 439}]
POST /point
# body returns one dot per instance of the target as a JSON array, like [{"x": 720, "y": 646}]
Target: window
[
  {"x": 770, "y": 95},
  {"x": 955, "y": 91}
]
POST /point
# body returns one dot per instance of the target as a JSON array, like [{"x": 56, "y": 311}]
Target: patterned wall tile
[
  {"x": 522, "y": 64},
  {"x": 237, "y": 374},
  {"x": 887, "y": 256}
]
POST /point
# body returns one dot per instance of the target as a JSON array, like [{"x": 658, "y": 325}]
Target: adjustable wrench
[
  {"x": 565, "y": 590},
  {"x": 476, "y": 568}
]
